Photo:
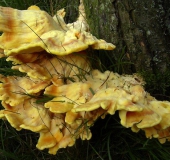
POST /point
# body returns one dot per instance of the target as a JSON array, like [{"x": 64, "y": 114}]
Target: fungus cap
[
  {"x": 27, "y": 115},
  {"x": 34, "y": 30}
]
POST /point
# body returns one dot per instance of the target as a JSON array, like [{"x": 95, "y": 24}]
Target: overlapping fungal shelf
[{"x": 61, "y": 96}]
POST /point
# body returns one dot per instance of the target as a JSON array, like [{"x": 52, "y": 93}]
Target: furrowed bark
[{"x": 139, "y": 29}]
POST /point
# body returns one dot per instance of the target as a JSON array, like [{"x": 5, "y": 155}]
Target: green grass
[{"x": 110, "y": 141}]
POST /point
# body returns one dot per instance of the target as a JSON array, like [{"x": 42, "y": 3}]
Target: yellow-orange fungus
[{"x": 61, "y": 95}]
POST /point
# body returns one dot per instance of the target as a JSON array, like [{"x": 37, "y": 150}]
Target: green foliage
[
  {"x": 5, "y": 69},
  {"x": 105, "y": 60},
  {"x": 21, "y": 4},
  {"x": 113, "y": 141}
]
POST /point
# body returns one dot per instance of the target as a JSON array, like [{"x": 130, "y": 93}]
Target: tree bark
[{"x": 139, "y": 29}]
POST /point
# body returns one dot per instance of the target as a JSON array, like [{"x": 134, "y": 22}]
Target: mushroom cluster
[{"x": 61, "y": 96}]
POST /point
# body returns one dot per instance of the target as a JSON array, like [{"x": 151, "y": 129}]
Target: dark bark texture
[{"x": 139, "y": 29}]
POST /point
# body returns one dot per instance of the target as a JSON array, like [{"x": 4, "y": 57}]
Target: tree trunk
[{"x": 139, "y": 29}]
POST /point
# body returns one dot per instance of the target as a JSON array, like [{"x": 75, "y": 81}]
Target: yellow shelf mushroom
[{"x": 61, "y": 96}]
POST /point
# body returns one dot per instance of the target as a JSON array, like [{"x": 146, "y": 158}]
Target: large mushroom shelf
[{"x": 61, "y": 96}]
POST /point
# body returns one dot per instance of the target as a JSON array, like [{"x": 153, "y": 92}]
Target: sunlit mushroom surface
[{"x": 61, "y": 95}]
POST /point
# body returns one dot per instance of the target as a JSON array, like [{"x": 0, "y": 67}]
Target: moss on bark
[{"x": 141, "y": 27}]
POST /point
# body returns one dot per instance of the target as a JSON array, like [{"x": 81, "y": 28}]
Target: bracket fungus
[{"x": 61, "y": 96}]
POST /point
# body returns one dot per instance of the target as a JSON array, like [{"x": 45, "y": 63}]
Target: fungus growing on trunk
[{"x": 61, "y": 96}]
